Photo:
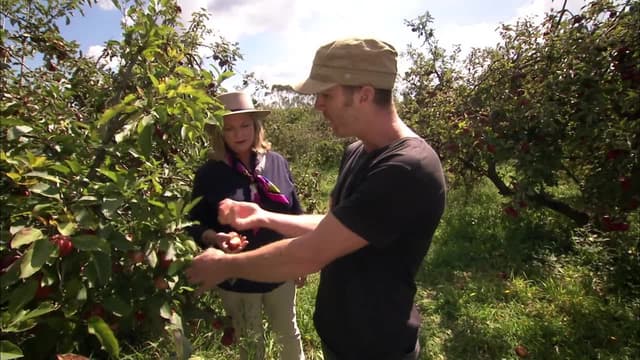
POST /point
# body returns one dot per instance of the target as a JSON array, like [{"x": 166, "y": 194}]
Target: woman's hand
[{"x": 231, "y": 242}]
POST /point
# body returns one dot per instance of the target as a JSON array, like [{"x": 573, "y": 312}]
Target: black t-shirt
[
  {"x": 394, "y": 198},
  {"x": 214, "y": 181}
]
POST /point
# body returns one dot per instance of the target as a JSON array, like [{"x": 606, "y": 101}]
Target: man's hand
[
  {"x": 206, "y": 270},
  {"x": 240, "y": 215}
]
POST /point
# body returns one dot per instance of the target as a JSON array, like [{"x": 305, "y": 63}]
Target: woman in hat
[{"x": 242, "y": 167}]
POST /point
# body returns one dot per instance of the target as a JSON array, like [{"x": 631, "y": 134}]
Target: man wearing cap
[{"x": 385, "y": 207}]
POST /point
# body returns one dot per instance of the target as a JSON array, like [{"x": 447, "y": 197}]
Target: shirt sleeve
[{"x": 390, "y": 200}]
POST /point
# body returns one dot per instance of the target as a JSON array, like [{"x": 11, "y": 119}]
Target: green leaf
[
  {"x": 184, "y": 71},
  {"x": 191, "y": 204},
  {"x": 101, "y": 267},
  {"x": 88, "y": 242},
  {"x": 17, "y": 131},
  {"x": 35, "y": 257},
  {"x": 44, "y": 175},
  {"x": 46, "y": 190},
  {"x": 110, "y": 174},
  {"x": 103, "y": 332},
  {"x": 75, "y": 289},
  {"x": 25, "y": 236},
  {"x": 74, "y": 165},
  {"x": 118, "y": 240},
  {"x": 11, "y": 276},
  {"x": 117, "y": 306},
  {"x": 60, "y": 168},
  {"x": 67, "y": 228},
  {"x": 108, "y": 114},
  {"x": 110, "y": 206},
  {"x": 9, "y": 350},
  {"x": 157, "y": 203},
  {"x": 165, "y": 311},
  {"x": 144, "y": 140},
  {"x": 43, "y": 308},
  {"x": 225, "y": 75},
  {"x": 154, "y": 80},
  {"x": 21, "y": 295}
]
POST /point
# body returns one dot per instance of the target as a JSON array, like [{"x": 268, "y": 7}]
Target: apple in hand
[{"x": 234, "y": 243}]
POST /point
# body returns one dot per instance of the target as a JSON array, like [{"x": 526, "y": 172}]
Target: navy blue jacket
[{"x": 214, "y": 181}]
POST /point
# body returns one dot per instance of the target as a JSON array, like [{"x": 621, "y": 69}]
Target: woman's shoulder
[
  {"x": 275, "y": 156},
  {"x": 210, "y": 166}
]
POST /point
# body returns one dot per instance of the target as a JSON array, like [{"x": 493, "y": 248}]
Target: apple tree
[
  {"x": 550, "y": 116},
  {"x": 96, "y": 169}
]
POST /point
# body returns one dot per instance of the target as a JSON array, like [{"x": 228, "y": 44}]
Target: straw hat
[{"x": 240, "y": 103}]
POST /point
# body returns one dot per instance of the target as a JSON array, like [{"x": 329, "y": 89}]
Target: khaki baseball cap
[{"x": 351, "y": 62}]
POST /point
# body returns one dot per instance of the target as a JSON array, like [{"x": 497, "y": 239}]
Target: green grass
[{"x": 491, "y": 283}]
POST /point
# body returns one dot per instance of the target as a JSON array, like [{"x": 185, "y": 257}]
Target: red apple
[
  {"x": 217, "y": 324},
  {"x": 521, "y": 351},
  {"x": 64, "y": 244},
  {"x": 137, "y": 256},
  {"x": 43, "y": 292},
  {"x": 7, "y": 260},
  {"x": 227, "y": 340},
  {"x": 163, "y": 261},
  {"x": 160, "y": 283},
  {"x": 139, "y": 315},
  {"x": 510, "y": 211},
  {"x": 97, "y": 310},
  {"x": 625, "y": 183}
]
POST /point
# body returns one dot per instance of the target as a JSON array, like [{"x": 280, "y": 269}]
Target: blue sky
[{"x": 278, "y": 38}]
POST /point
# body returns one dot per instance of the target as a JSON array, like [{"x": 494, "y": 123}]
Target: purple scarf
[{"x": 269, "y": 189}]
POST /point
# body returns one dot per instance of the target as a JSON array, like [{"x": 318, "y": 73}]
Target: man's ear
[{"x": 366, "y": 94}]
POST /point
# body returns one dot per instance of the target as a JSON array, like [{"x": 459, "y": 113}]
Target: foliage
[
  {"x": 548, "y": 116},
  {"x": 303, "y": 137},
  {"x": 101, "y": 159},
  {"x": 551, "y": 108}
]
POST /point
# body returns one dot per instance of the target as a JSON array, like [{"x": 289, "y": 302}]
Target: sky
[{"x": 278, "y": 38}]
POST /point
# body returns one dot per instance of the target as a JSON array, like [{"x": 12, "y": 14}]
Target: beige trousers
[{"x": 280, "y": 310}]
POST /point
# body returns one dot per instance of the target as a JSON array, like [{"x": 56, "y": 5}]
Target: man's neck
[{"x": 387, "y": 131}]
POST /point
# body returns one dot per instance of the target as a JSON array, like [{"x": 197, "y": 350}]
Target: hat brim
[
  {"x": 311, "y": 86},
  {"x": 260, "y": 114}
]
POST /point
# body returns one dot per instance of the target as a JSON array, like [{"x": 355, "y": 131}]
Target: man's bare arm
[
  {"x": 291, "y": 225},
  {"x": 247, "y": 215},
  {"x": 279, "y": 261}
]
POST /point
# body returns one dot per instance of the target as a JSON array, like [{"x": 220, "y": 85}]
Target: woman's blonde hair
[{"x": 218, "y": 150}]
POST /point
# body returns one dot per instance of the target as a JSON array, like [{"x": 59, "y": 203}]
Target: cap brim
[{"x": 311, "y": 86}]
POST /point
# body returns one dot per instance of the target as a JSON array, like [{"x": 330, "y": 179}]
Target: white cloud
[
  {"x": 295, "y": 29},
  {"x": 106, "y": 4},
  {"x": 538, "y": 8},
  {"x": 95, "y": 53}
]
